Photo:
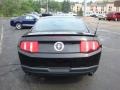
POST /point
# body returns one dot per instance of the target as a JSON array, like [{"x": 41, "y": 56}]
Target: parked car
[
  {"x": 101, "y": 17},
  {"x": 113, "y": 16},
  {"x": 46, "y": 14},
  {"x": 93, "y": 15},
  {"x": 36, "y": 13},
  {"x": 59, "y": 45},
  {"x": 24, "y": 21}
]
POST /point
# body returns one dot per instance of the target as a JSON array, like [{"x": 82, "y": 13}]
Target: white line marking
[{"x": 1, "y": 38}]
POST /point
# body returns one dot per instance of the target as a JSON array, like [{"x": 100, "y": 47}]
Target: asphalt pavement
[{"x": 13, "y": 78}]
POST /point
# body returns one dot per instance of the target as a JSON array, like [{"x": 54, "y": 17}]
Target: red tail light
[
  {"x": 29, "y": 46},
  {"x": 89, "y": 46}
]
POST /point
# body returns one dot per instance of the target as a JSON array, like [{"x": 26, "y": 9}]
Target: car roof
[
  {"x": 61, "y": 16},
  {"x": 33, "y": 15},
  {"x": 113, "y": 12}
]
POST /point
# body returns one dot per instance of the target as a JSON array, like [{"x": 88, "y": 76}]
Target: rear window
[{"x": 60, "y": 24}]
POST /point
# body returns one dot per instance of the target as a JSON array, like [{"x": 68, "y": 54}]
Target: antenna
[{"x": 96, "y": 28}]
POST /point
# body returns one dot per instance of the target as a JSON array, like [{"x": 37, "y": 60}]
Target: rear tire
[
  {"x": 91, "y": 74},
  {"x": 27, "y": 73},
  {"x": 18, "y": 26}
]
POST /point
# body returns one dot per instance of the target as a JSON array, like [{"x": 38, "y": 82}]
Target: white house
[{"x": 98, "y": 7}]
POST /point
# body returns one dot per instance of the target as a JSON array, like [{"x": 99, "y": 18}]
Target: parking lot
[{"x": 106, "y": 78}]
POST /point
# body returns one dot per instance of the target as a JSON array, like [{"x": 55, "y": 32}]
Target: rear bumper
[
  {"x": 59, "y": 71},
  {"x": 59, "y": 64}
]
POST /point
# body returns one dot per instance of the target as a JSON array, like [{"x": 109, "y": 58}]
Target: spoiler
[{"x": 58, "y": 33}]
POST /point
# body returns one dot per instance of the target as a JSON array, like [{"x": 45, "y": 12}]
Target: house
[
  {"x": 75, "y": 7},
  {"x": 99, "y": 7}
]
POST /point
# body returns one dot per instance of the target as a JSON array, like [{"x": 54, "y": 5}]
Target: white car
[{"x": 101, "y": 17}]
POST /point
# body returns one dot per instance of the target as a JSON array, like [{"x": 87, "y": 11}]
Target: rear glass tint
[{"x": 60, "y": 24}]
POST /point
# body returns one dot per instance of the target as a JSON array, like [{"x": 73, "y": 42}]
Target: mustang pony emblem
[{"x": 59, "y": 46}]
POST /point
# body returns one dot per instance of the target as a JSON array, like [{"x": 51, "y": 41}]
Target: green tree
[
  {"x": 37, "y": 6},
  {"x": 18, "y": 7},
  {"x": 26, "y": 6},
  {"x": 66, "y": 7},
  {"x": 9, "y": 7},
  {"x": 54, "y": 6},
  {"x": 80, "y": 12}
]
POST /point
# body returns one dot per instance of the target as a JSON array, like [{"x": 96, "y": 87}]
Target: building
[
  {"x": 75, "y": 7},
  {"x": 98, "y": 7},
  {"x": 102, "y": 7}
]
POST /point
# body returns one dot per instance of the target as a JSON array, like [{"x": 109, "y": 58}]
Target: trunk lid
[{"x": 58, "y": 42}]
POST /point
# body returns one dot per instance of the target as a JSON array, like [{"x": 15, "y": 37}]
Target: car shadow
[
  {"x": 53, "y": 79},
  {"x": 24, "y": 28}
]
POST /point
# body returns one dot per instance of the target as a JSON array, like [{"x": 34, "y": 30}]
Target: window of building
[
  {"x": 117, "y": 9},
  {"x": 110, "y": 8}
]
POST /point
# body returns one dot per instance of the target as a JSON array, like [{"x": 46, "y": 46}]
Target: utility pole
[
  {"x": 47, "y": 6},
  {"x": 40, "y": 5},
  {"x": 85, "y": 4}
]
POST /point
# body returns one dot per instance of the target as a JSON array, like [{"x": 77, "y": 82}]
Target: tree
[
  {"x": 54, "y": 6},
  {"x": 80, "y": 12},
  {"x": 37, "y": 6},
  {"x": 66, "y": 7},
  {"x": 26, "y": 6},
  {"x": 18, "y": 7},
  {"x": 8, "y": 7}
]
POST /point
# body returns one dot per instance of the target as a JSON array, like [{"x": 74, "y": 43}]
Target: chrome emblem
[{"x": 59, "y": 46}]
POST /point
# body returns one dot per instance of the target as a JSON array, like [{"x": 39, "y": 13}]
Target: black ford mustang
[{"x": 59, "y": 45}]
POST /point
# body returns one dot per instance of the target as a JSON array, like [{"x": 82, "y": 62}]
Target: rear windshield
[{"x": 60, "y": 24}]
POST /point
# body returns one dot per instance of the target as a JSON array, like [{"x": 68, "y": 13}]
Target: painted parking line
[{"x": 1, "y": 38}]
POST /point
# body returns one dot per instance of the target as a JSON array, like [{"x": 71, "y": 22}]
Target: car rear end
[
  {"x": 80, "y": 55},
  {"x": 59, "y": 53},
  {"x": 111, "y": 16}
]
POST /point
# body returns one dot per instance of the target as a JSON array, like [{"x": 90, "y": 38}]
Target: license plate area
[{"x": 58, "y": 69}]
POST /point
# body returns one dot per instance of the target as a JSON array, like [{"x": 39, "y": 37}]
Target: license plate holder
[{"x": 56, "y": 69}]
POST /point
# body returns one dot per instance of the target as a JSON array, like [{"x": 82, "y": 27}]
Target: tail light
[
  {"x": 89, "y": 46},
  {"x": 29, "y": 46}
]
